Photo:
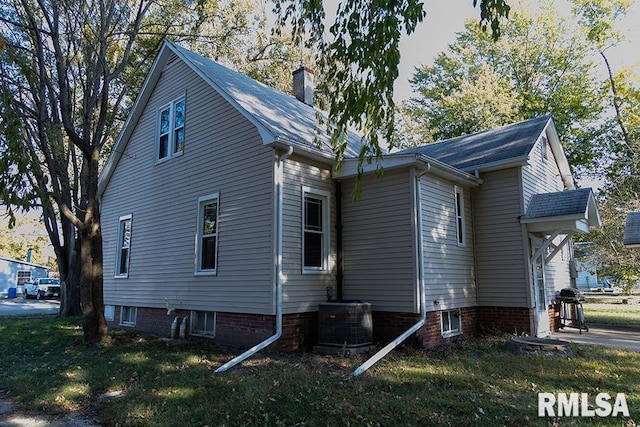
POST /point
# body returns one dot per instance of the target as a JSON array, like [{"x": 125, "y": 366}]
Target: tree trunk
[
  {"x": 70, "y": 280},
  {"x": 91, "y": 284}
]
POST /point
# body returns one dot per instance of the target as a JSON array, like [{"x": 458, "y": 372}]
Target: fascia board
[{"x": 559, "y": 155}]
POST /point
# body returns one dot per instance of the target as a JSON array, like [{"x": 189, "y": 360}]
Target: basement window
[
  {"x": 128, "y": 316},
  {"x": 451, "y": 323},
  {"x": 203, "y": 323}
]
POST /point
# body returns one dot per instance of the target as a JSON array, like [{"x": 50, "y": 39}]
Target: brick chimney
[{"x": 303, "y": 85}]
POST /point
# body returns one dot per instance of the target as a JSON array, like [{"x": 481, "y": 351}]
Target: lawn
[
  {"x": 136, "y": 380},
  {"x": 612, "y": 311}
]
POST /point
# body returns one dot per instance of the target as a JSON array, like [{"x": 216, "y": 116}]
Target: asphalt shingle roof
[
  {"x": 561, "y": 203},
  {"x": 470, "y": 152},
  {"x": 632, "y": 229},
  {"x": 287, "y": 118}
]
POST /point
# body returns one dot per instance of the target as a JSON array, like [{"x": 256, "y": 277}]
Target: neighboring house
[
  {"x": 221, "y": 204},
  {"x": 632, "y": 230},
  {"x": 586, "y": 271},
  {"x": 14, "y": 273}
]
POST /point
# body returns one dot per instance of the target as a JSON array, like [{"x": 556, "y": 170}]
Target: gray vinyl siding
[
  {"x": 304, "y": 291},
  {"x": 379, "y": 243},
  {"x": 500, "y": 252},
  {"x": 223, "y": 154},
  {"x": 543, "y": 176},
  {"x": 448, "y": 267}
]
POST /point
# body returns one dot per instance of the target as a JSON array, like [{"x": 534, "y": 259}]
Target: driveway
[
  {"x": 623, "y": 337},
  {"x": 20, "y": 306}
]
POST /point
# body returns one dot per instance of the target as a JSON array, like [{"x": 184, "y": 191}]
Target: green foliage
[
  {"x": 610, "y": 255},
  {"x": 533, "y": 69},
  {"x": 359, "y": 61}
]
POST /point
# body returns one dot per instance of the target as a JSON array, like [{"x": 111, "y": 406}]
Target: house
[
  {"x": 632, "y": 230},
  {"x": 222, "y": 209},
  {"x": 586, "y": 270},
  {"x": 15, "y": 273}
]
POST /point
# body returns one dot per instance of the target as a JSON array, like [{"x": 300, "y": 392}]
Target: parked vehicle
[{"x": 42, "y": 288}]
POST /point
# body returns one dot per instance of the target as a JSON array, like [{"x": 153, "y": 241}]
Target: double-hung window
[
  {"x": 124, "y": 246},
  {"x": 315, "y": 230},
  {"x": 171, "y": 120},
  {"x": 460, "y": 221},
  {"x": 207, "y": 235}
]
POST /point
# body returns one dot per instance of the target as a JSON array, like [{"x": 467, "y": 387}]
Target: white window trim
[
  {"x": 198, "y": 244},
  {"x": 451, "y": 333},
  {"x": 325, "y": 196},
  {"x": 461, "y": 226},
  {"x": 171, "y": 142},
  {"x": 121, "y": 220},
  {"x": 134, "y": 311}
]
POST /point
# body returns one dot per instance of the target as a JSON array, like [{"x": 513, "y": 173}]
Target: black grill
[{"x": 570, "y": 295}]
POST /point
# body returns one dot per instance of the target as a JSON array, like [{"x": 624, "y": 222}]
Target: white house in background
[
  {"x": 221, "y": 204},
  {"x": 14, "y": 273}
]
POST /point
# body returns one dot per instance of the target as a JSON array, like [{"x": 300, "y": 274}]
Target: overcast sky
[{"x": 446, "y": 17}]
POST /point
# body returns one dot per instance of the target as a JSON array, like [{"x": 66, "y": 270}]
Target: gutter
[
  {"x": 279, "y": 275},
  {"x": 415, "y": 189}
]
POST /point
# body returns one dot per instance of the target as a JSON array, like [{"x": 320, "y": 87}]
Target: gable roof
[
  {"x": 566, "y": 210},
  {"x": 498, "y": 148},
  {"x": 632, "y": 230},
  {"x": 280, "y": 119}
]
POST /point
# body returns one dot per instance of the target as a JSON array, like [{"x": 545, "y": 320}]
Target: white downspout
[
  {"x": 415, "y": 188},
  {"x": 278, "y": 279}
]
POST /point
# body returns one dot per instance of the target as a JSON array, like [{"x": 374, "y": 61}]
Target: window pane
[
  {"x": 208, "y": 261},
  {"x": 164, "y": 121},
  {"x": 313, "y": 214},
  {"x": 209, "y": 322},
  {"x": 126, "y": 234},
  {"x": 163, "y": 150},
  {"x": 209, "y": 218},
  {"x": 179, "y": 115},
  {"x": 124, "y": 261},
  {"x": 179, "y": 140},
  {"x": 446, "y": 327},
  {"x": 200, "y": 321},
  {"x": 313, "y": 249},
  {"x": 455, "y": 321}
]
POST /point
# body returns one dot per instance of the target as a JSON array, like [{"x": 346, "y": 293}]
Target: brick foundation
[
  {"x": 300, "y": 330},
  {"x": 513, "y": 320},
  {"x": 387, "y": 326}
]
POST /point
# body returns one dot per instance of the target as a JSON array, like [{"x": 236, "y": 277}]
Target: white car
[{"x": 42, "y": 288}]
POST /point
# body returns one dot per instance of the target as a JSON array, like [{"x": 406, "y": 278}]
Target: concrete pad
[{"x": 622, "y": 337}]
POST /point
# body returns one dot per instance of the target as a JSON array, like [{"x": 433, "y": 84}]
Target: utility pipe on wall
[
  {"x": 421, "y": 291},
  {"x": 278, "y": 279}
]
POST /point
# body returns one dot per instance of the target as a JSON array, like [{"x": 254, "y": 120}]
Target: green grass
[
  {"x": 612, "y": 312},
  {"x": 45, "y": 363}
]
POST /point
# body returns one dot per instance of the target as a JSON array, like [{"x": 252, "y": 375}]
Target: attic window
[
  {"x": 171, "y": 119},
  {"x": 543, "y": 147}
]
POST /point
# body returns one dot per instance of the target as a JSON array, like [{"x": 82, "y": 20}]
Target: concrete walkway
[
  {"x": 622, "y": 337},
  {"x": 21, "y": 307}
]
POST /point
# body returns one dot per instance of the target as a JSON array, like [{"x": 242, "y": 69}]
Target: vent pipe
[{"x": 303, "y": 86}]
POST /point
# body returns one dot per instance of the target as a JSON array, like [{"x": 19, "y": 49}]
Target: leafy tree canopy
[
  {"x": 540, "y": 64},
  {"x": 358, "y": 60}
]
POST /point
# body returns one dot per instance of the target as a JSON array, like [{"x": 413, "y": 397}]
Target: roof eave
[{"x": 349, "y": 167}]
